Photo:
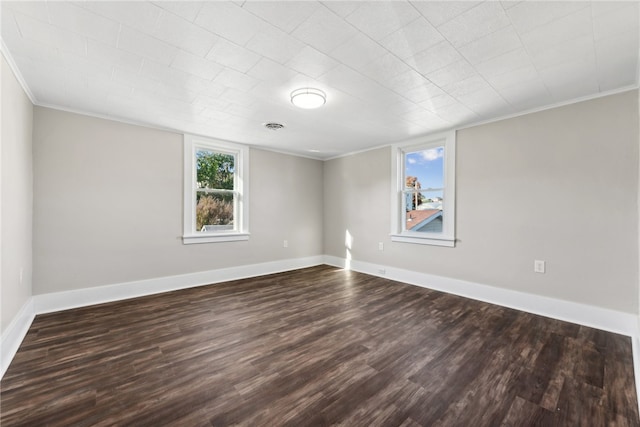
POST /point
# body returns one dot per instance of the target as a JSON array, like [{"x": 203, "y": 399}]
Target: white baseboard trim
[
  {"x": 582, "y": 314},
  {"x": 635, "y": 346},
  {"x": 14, "y": 334},
  {"x": 57, "y": 301},
  {"x": 46, "y": 303},
  {"x": 596, "y": 317}
]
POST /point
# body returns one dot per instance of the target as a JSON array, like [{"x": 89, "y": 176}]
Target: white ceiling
[{"x": 391, "y": 70}]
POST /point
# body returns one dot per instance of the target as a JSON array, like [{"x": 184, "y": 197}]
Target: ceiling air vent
[{"x": 273, "y": 126}]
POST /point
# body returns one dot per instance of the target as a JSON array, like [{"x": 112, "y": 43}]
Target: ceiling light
[{"x": 308, "y": 97}]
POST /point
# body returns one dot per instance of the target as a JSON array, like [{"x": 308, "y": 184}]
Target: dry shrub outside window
[{"x": 213, "y": 211}]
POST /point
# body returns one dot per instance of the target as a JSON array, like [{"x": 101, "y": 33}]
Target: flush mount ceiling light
[{"x": 308, "y": 97}]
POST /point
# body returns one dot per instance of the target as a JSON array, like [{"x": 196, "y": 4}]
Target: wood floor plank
[
  {"x": 523, "y": 413},
  {"x": 315, "y": 347}
]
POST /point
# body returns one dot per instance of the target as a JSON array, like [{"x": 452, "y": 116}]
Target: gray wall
[
  {"x": 560, "y": 185},
  {"x": 108, "y": 206},
  {"x": 17, "y": 197}
]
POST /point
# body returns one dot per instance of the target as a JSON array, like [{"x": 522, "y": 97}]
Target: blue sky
[{"x": 428, "y": 166}]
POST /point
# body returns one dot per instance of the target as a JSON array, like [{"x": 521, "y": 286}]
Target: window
[
  {"x": 423, "y": 200},
  {"x": 215, "y": 191}
]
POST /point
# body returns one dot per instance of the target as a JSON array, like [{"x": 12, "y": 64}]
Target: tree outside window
[
  {"x": 216, "y": 191},
  {"x": 215, "y": 195}
]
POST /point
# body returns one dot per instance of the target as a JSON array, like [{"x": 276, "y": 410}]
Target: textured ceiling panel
[{"x": 391, "y": 70}]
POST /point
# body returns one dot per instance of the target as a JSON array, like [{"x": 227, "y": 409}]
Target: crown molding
[
  {"x": 497, "y": 119},
  {"x": 16, "y": 71}
]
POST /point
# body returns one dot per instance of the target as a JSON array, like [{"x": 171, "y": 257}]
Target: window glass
[
  {"x": 215, "y": 195},
  {"x": 215, "y": 191},
  {"x": 424, "y": 190},
  {"x": 423, "y": 198}
]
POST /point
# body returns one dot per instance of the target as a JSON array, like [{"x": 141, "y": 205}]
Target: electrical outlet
[
  {"x": 380, "y": 246},
  {"x": 285, "y": 244},
  {"x": 538, "y": 266}
]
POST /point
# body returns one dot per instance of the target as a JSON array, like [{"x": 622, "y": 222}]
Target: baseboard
[
  {"x": 582, "y": 314},
  {"x": 14, "y": 334},
  {"x": 57, "y": 301},
  {"x": 596, "y": 317},
  {"x": 635, "y": 345}
]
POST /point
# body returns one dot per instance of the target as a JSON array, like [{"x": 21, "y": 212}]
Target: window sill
[
  {"x": 214, "y": 238},
  {"x": 440, "y": 241}
]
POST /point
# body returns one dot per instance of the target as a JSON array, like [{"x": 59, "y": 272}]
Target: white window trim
[
  {"x": 398, "y": 234},
  {"x": 241, "y": 186}
]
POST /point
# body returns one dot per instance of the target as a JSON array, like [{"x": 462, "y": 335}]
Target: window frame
[
  {"x": 398, "y": 200},
  {"x": 192, "y": 143}
]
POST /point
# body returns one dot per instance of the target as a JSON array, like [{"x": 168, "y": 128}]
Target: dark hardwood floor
[{"x": 314, "y": 347}]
